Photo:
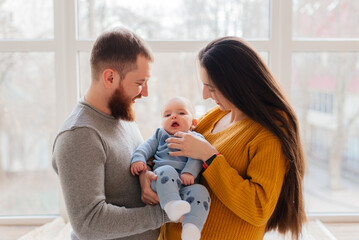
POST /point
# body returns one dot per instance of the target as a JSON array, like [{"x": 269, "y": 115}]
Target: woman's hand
[
  {"x": 148, "y": 196},
  {"x": 190, "y": 145}
]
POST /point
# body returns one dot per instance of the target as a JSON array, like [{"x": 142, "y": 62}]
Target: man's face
[{"x": 133, "y": 86}]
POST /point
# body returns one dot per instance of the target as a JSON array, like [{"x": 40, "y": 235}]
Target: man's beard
[{"x": 121, "y": 106}]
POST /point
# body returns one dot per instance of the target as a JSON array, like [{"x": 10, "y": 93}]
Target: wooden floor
[{"x": 340, "y": 231}]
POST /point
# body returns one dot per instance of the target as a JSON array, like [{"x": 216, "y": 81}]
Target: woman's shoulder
[{"x": 263, "y": 135}]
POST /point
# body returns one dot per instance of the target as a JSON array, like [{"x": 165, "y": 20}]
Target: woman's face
[{"x": 210, "y": 91}]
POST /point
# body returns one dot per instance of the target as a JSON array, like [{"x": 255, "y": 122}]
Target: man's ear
[
  {"x": 194, "y": 124},
  {"x": 108, "y": 77}
]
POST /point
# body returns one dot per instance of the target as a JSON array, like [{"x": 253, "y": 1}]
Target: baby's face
[{"x": 176, "y": 117}]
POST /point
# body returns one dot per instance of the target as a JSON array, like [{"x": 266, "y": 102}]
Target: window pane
[
  {"x": 27, "y": 131},
  {"x": 325, "y": 19},
  {"x": 22, "y": 19},
  {"x": 176, "y": 19},
  {"x": 326, "y": 97},
  {"x": 265, "y": 57}
]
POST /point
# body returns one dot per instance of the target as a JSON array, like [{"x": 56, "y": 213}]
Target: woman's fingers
[
  {"x": 173, "y": 140},
  {"x": 180, "y": 134},
  {"x": 174, "y": 145},
  {"x": 176, "y": 154}
]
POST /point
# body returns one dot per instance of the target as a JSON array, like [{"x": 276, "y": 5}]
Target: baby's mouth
[{"x": 174, "y": 124}]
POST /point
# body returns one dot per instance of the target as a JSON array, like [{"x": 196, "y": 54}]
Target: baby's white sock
[
  {"x": 176, "y": 209},
  {"x": 190, "y": 232}
]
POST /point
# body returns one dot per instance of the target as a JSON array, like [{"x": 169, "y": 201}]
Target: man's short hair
[{"x": 117, "y": 49}]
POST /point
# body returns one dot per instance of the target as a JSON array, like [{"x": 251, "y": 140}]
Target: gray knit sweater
[{"x": 91, "y": 155}]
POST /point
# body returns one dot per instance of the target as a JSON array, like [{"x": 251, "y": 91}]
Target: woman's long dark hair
[{"x": 241, "y": 76}]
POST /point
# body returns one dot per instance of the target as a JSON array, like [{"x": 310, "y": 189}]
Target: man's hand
[
  {"x": 187, "y": 178},
  {"x": 148, "y": 196},
  {"x": 137, "y": 168}
]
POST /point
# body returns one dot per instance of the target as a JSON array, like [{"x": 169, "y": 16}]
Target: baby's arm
[
  {"x": 137, "y": 168},
  {"x": 187, "y": 178},
  {"x": 143, "y": 152}
]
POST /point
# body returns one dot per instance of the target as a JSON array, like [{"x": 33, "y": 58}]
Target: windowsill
[
  {"x": 334, "y": 218},
  {"x": 26, "y": 220}
]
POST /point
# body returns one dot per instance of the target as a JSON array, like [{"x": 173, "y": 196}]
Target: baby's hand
[
  {"x": 187, "y": 179},
  {"x": 137, "y": 167}
]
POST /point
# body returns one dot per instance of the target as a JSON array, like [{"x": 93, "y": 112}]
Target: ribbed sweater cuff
[{"x": 212, "y": 166}]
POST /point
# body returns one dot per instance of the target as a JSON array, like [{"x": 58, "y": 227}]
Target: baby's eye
[
  {"x": 167, "y": 115},
  {"x": 182, "y": 113}
]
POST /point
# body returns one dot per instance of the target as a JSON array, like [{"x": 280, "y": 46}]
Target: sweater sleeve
[
  {"x": 252, "y": 197},
  {"x": 147, "y": 149},
  {"x": 79, "y": 158}
]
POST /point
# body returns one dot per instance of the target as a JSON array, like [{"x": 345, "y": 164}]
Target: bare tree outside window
[
  {"x": 177, "y": 19},
  {"x": 336, "y": 74},
  {"x": 27, "y": 112}
]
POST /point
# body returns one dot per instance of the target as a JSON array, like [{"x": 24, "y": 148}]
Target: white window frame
[{"x": 65, "y": 45}]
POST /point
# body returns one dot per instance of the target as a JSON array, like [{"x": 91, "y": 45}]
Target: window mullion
[
  {"x": 281, "y": 40},
  {"x": 65, "y": 64},
  {"x": 325, "y": 45}
]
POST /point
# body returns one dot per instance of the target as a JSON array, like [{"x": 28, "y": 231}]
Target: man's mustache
[{"x": 139, "y": 96}]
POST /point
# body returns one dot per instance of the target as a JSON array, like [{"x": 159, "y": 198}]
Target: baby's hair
[{"x": 183, "y": 99}]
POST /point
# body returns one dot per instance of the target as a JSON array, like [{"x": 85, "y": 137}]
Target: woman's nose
[{"x": 205, "y": 94}]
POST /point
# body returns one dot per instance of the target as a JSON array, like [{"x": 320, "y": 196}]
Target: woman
[{"x": 253, "y": 156}]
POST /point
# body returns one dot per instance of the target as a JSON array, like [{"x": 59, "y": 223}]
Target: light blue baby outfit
[{"x": 168, "y": 184}]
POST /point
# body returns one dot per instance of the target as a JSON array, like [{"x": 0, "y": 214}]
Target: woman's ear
[
  {"x": 194, "y": 124},
  {"x": 108, "y": 77}
]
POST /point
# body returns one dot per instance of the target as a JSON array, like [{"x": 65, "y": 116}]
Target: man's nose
[{"x": 144, "y": 91}]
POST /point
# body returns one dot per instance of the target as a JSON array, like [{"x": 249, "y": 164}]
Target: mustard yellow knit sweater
[{"x": 244, "y": 182}]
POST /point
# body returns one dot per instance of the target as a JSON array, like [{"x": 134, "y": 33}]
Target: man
[{"x": 92, "y": 151}]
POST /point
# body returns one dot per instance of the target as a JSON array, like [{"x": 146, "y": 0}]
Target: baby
[{"x": 176, "y": 175}]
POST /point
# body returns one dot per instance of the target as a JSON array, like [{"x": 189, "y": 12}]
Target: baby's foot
[
  {"x": 176, "y": 209},
  {"x": 190, "y": 232}
]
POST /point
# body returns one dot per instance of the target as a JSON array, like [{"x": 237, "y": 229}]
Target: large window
[
  {"x": 27, "y": 109},
  {"x": 311, "y": 46}
]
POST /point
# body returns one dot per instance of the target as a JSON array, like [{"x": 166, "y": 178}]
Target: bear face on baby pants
[{"x": 169, "y": 187}]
